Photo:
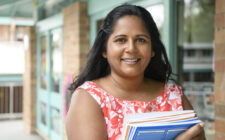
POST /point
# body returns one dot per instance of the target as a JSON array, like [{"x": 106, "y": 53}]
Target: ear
[
  {"x": 104, "y": 55},
  {"x": 152, "y": 54}
]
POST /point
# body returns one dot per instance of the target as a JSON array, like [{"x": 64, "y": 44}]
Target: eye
[
  {"x": 120, "y": 40},
  {"x": 141, "y": 40}
]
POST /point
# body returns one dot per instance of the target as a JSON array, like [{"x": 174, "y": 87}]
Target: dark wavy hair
[{"x": 97, "y": 66}]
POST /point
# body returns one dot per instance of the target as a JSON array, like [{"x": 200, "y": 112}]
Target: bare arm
[
  {"x": 85, "y": 120},
  {"x": 196, "y": 132}
]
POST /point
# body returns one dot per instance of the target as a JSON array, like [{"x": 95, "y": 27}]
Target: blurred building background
[{"x": 44, "y": 45}]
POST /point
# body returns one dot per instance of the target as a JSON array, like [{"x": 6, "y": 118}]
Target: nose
[{"x": 131, "y": 46}]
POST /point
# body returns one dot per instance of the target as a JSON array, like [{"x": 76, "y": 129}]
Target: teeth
[{"x": 130, "y": 60}]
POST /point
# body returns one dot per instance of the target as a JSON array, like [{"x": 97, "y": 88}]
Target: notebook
[{"x": 158, "y": 125}]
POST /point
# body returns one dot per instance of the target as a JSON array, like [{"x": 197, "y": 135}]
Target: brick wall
[
  {"x": 219, "y": 61},
  {"x": 29, "y": 98},
  {"x": 11, "y": 33},
  {"x": 4, "y": 33},
  {"x": 75, "y": 40}
]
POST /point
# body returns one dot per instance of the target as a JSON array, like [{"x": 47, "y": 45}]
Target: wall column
[
  {"x": 75, "y": 42},
  {"x": 29, "y": 85},
  {"x": 75, "y": 38},
  {"x": 219, "y": 62}
]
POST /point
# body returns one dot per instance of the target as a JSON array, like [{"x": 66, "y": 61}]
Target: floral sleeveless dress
[{"x": 114, "y": 108}]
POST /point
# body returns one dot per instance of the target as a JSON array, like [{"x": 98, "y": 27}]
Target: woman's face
[{"x": 129, "y": 47}]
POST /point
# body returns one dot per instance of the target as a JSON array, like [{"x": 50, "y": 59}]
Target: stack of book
[{"x": 158, "y": 125}]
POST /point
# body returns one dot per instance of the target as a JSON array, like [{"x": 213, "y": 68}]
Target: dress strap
[{"x": 174, "y": 95}]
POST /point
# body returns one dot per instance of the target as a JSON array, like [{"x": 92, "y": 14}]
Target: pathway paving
[{"x": 14, "y": 130}]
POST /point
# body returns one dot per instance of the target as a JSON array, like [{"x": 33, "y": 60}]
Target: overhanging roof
[
  {"x": 19, "y": 12},
  {"x": 26, "y": 12}
]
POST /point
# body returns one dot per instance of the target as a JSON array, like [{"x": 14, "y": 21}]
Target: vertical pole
[
  {"x": 169, "y": 32},
  {"x": 38, "y": 53},
  {"x": 11, "y": 99},
  {"x": 49, "y": 65}
]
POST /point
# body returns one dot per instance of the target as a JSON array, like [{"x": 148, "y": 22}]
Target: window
[
  {"x": 191, "y": 53},
  {"x": 43, "y": 63},
  {"x": 207, "y": 53},
  {"x": 157, "y": 12},
  {"x": 204, "y": 77},
  {"x": 56, "y": 59},
  {"x": 195, "y": 37}
]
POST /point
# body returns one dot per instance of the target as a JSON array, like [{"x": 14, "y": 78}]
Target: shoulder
[
  {"x": 84, "y": 111},
  {"x": 80, "y": 95},
  {"x": 176, "y": 89},
  {"x": 82, "y": 101}
]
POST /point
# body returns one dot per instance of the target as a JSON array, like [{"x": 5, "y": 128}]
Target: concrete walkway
[{"x": 14, "y": 130}]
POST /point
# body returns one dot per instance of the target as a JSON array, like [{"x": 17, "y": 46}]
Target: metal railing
[
  {"x": 201, "y": 96},
  {"x": 11, "y": 100}
]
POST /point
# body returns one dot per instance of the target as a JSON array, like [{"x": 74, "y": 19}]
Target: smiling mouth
[{"x": 131, "y": 61}]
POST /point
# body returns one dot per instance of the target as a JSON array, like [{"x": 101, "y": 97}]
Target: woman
[{"x": 127, "y": 72}]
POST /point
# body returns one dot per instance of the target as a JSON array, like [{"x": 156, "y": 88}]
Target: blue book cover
[
  {"x": 167, "y": 132},
  {"x": 161, "y": 126}
]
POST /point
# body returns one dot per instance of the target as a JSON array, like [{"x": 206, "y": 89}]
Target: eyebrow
[
  {"x": 138, "y": 35},
  {"x": 143, "y": 35},
  {"x": 119, "y": 36}
]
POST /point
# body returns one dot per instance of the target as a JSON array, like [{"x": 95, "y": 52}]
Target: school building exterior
[{"x": 57, "y": 40}]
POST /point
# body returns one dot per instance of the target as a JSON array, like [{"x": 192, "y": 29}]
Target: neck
[{"x": 130, "y": 84}]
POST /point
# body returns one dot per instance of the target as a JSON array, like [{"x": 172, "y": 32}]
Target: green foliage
[{"x": 199, "y": 21}]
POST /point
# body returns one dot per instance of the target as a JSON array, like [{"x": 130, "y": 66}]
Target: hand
[{"x": 196, "y": 132}]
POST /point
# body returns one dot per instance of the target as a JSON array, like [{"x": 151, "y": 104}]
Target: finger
[
  {"x": 196, "y": 129},
  {"x": 192, "y": 132}
]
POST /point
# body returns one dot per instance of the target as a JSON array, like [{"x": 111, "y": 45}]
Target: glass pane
[
  {"x": 43, "y": 63},
  {"x": 55, "y": 120},
  {"x": 43, "y": 113},
  {"x": 157, "y": 12},
  {"x": 197, "y": 59},
  {"x": 56, "y": 60}
]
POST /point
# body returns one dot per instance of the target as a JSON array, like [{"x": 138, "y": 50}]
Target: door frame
[{"x": 51, "y": 99}]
